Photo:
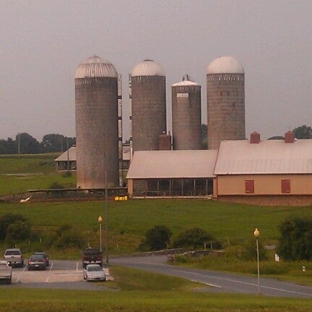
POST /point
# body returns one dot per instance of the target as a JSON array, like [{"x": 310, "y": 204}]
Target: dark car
[
  {"x": 37, "y": 262},
  {"x": 92, "y": 256},
  {"x": 46, "y": 257}
]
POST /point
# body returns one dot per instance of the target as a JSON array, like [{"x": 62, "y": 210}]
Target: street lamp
[
  {"x": 257, "y": 234},
  {"x": 100, "y": 222}
]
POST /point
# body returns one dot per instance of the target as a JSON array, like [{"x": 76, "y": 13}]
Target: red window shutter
[
  {"x": 249, "y": 186},
  {"x": 285, "y": 185}
]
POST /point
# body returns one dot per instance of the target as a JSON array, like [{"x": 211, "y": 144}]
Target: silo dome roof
[
  {"x": 148, "y": 68},
  {"x": 185, "y": 82},
  {"x": 225, "y": 65},
  {"x": 95, "y": 67}
]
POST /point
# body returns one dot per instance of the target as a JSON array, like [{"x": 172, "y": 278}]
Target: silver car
[{"x": 94, "y": 272}]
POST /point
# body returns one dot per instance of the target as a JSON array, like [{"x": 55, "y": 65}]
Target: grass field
[{"x": 20, "y": 173}]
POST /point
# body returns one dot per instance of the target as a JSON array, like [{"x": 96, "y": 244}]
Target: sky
[{"x": 42, "y": 42}]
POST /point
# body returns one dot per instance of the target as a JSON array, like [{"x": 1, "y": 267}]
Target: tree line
[{"x": 24, "y": 143}]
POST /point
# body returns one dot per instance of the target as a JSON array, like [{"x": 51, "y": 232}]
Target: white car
[{"x": 94, "y": 272}]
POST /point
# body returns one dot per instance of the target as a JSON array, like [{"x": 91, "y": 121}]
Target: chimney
[
  {"x": 164, "y": 141},
  {"x": 254, "y": 138},
  {"x": 289, "y": 137}
]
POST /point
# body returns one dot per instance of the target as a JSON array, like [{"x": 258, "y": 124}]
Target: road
[
  {"x": 68, "y": 275},
  {"x": 218, "y": 281}
]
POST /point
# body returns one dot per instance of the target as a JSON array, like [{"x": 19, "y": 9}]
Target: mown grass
[
  {"x": 20, "y": 173},
  {"x": 142, "y": 301},
  {"x": 136, "y": 290}
]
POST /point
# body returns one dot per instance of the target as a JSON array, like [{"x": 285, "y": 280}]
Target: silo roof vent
[
  {"x": 225, "y": 65},
  {"x": 148, "y": 68},
  {"x": 186, "y": 81},
  {"x": 96, "y": 67}
]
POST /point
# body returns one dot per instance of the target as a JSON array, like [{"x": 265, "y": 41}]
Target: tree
[
  {"x": 303, "y": 132},
  {"x": 56, "y": 143},
  {"x": 26, "y": 144},
  {"x": 194, "y": 238},
  {"x": 156, "y": 238},
  {"x": 295, "y": 242}
]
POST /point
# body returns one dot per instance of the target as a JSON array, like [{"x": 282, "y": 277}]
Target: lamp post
[
  {"x": 100, "y": 222},
  {"x": 257, "y": 234}
]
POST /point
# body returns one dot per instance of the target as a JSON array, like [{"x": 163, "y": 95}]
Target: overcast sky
[{"x": 43, "y": 42}]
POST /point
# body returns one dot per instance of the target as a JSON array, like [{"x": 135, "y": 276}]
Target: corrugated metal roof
[
  {"x": 267, "y": 157},
  {"x": 68, "y": 155},
  {"x": 172, "y": 164},
  {"x": 225, "y": 65},
  {"x": 72, "y": 154}
]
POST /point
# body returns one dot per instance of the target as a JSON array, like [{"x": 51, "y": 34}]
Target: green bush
[
  {"x": 17, "y": 232},
  {"x": 196, "y": 238},
  {"x": 156, "y": 238},
  {"x": 7, "y": 220},
  {"x": 68, "y": 237}
]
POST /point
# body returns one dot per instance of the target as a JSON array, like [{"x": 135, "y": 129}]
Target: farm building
[
  {"x": 67, "y": 160},
  {"x": 276, "y": 171},
  {"x": 255, "y": 171},
  {"x": 172, "y": 173}
]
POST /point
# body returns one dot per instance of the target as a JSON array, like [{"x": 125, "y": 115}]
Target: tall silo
[
  {"x": 186, "y": 115},
  {"x": 225, "y": 101},
  {"x": 148, "y": 105},
  {"x": 96, "y": 103}
]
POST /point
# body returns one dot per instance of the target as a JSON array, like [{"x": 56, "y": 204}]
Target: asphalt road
[
  {"x": 218, "y": 281},
  {"x": 68, "y": 275}
]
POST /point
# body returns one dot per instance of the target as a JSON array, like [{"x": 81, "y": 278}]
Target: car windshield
[
  {"x": 37, "y": 258},
  {"x": 12, "y": 252},
  {"x": 94, "y": 268},
  {"x": 42, "y": 254}
]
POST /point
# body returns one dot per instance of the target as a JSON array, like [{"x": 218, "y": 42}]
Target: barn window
[
  {"x": 249, "y": 186},
  {"x": 285, "y": 185}
]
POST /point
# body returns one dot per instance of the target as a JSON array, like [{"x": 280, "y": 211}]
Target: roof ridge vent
[
  {"x": 255, "y": 137},
  {"x": 289, "y": 137}
]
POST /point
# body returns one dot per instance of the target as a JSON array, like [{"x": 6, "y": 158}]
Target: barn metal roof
[
  {"x": 266, "y": 157},
  {"x": 172, "y": 164},
  {"x": 70, "y": 155}
]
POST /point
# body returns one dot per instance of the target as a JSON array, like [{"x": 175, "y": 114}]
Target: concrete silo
[
  {"x": 225, "y": 101},
  {"x": 148, "y": 105},
  {"x": 96, "y": 103},
  {"x": 186, "y": 115}
]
